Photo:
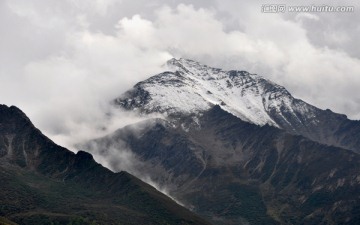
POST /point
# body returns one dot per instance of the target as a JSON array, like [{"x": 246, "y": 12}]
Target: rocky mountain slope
[
  {"x": 189, "y": 88},
  {"x": 235, "y": 172},
  {"x": 43, "y": 183}
]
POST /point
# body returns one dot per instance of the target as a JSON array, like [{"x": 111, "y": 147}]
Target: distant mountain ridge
[{"x": 190, "y": 88}]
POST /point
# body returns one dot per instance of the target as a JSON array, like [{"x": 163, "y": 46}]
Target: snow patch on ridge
[{"x": 236, "y": 91}]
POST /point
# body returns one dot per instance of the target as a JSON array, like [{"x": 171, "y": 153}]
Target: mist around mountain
[{"x": 238, "y": 148}]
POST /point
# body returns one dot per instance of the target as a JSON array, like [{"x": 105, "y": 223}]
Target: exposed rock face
[{"x": 43, "y": 182}]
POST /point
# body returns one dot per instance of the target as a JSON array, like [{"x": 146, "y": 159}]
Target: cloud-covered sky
[{"x": 62, "y": 61}]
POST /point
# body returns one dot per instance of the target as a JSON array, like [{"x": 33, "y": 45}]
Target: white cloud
[{"x": 66, "y": 71}]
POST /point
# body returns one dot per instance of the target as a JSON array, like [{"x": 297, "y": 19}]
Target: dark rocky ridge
[
  {"x": 325, "y": 126},
  {"x": 43, "y": 182}
]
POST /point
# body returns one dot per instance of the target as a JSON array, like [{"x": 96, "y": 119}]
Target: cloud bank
[{"x": 63, "y": 61}]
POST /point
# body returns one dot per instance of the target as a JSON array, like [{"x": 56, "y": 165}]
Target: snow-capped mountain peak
[{"x": 190, "y": 88}]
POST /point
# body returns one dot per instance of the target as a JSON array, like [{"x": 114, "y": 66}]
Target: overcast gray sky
[{"x": 62, "y": 61}]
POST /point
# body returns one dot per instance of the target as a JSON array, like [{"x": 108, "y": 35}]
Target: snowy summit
[{"x": 189, "y": 87}]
